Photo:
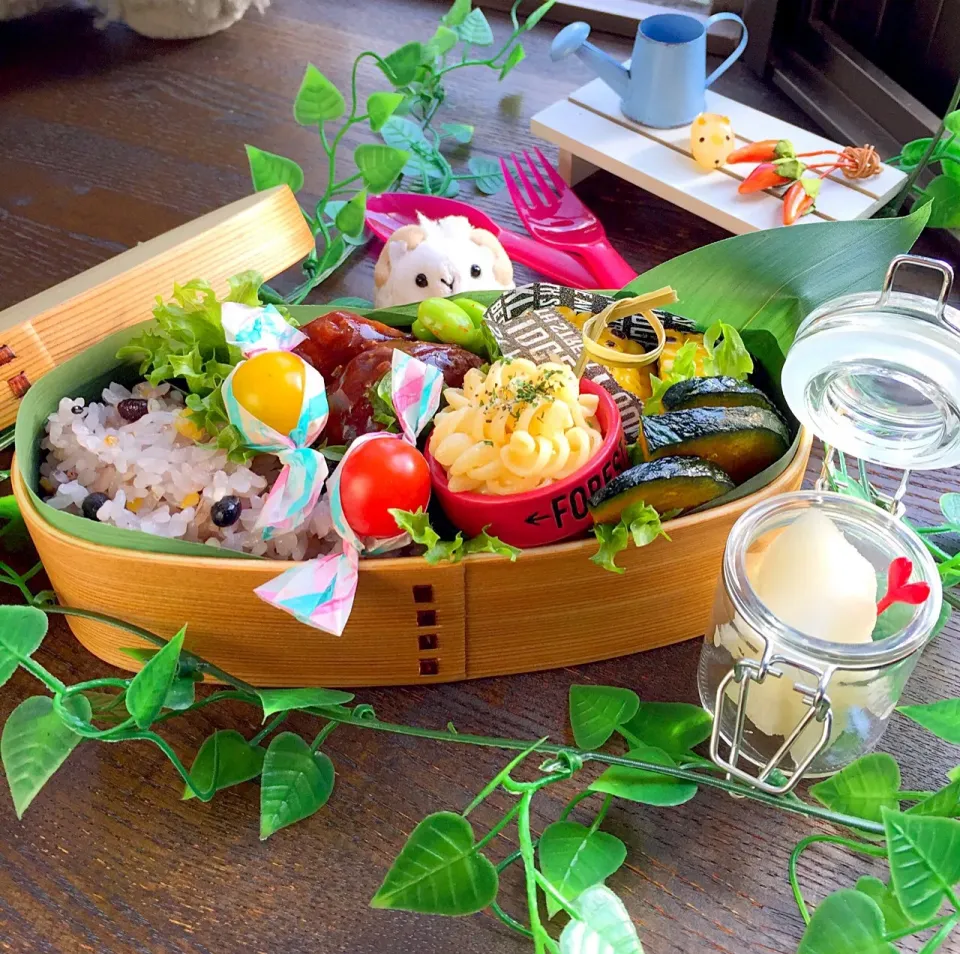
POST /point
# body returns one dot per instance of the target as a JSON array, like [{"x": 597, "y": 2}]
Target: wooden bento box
[{"x": 411, "y": 622}]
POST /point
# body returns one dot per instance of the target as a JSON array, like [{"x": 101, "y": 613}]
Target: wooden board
[{"x": 592, "y": 133}]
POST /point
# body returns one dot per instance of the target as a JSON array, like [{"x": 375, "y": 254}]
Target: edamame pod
[
  {"x": 473, "y": 308},
  {"x": 421, "y": 333},
  {"x": 446, "y": 320}
]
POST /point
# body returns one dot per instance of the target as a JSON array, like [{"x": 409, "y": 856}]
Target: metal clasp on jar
[{"x": 747, "y": 671}]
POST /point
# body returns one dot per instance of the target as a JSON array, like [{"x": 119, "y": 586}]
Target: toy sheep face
[
  {"x": 711, "y": 140},
  {"x": 436, "y": 259}
]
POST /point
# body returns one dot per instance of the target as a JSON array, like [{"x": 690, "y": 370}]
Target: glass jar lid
[{"x": 877, "y": 376}]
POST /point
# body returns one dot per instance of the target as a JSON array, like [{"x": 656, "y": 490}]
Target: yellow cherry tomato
[{"x": 270, "y": 386}]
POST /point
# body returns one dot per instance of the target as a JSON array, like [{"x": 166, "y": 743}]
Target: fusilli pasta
[{"x": 515, "y": 428}]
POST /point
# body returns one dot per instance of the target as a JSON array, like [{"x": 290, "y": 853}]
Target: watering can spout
[{"x": 573, "y": 39}]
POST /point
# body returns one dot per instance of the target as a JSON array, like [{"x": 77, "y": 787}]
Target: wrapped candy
[
  {"x": 254, "y": 330},
  {"x": 321, "y": 593}
]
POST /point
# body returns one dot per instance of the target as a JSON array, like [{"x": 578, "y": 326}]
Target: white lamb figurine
[{"x": 439, "y": 258}]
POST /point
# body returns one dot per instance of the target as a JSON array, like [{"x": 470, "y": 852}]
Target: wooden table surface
[{"x": 107, "y": 139}]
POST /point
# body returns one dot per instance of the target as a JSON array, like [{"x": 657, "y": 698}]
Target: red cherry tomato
[{"x": 379, "y": 475}]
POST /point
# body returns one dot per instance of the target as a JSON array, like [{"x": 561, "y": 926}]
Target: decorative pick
[{"x": 899, "y": 590}]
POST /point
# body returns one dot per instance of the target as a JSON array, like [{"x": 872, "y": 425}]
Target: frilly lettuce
[
  {"x": 639, "y": 521},
  {"x": 187, "y": 346},
  {"x": 450, "y": 551}
]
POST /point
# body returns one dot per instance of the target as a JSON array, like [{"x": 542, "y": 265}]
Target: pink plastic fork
[{"x": 556, "y": 217}]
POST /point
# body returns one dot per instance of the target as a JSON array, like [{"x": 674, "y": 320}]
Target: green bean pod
[
  {"x": 421, "y": 333},
  {"x": 446, "y": 320},
  {"x": 473, "y": 308}
]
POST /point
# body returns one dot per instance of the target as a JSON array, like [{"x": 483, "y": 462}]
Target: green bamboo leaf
[
  {"x": 924, "y": 858},
  {"x": 846, "y": 922},
  {"x": 674, "y": 727},
  {"x": 517, "y": 55},
  {"x": 639, "y": 785},
  {"x": 148, "y": 689},
  {"x": 771, "y": 280},
  {"x": 295, "y": 783},
  {"x": 268, "y": 170},
  {"x": 475, "y": 30},
  {"x": 318, "y": 100},
  {"x": 461, "y": 132},
  {"x": 235, "y": 758},
  {"x": 283, "y": 700},
  {"x": 573, "y": 858},
  {"x": 945, "y": 210},
  {"x": 350, "y": 217},
  {"x": 457, "y": 13},
  {"x": 538, "y": 15},
  {"x": 489, "y": 175},
  {"x": 379, "y": 165},
  {"x": 602, "y": 926},
  {"x": 885, "y": 899},
  {"x": 35, "y": 743},
  {"x": 864, "y": 788},
  {"x": 597, "y": 711},
  {"x": 944, "y": 803},
  {"x": 439, "y": 871},
  {"x": 401, "y": 65},
  {"x": 380, "y": 107},
  {"x": 22, "y": 629},
  {"x": 941, "y": 718},
  {"x": 443, "y": 41}
]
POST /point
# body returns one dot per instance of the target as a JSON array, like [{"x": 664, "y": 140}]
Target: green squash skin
[
  {"x": 714, "y": 392},
  {"x": 740, "y": 440},
  {"x": 668, "y": 484}
]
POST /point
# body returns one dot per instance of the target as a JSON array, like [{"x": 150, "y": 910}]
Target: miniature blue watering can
[{"x": 664, "y": 85}]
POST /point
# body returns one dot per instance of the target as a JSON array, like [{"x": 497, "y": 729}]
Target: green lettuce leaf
[
  {"x": 684, "y": 366},
  {"x": 639, "y": 522},
  {"x": 730, "y": 358},
  {"x": 483, "y": 542},
  {"x": 448, "y": 551}
]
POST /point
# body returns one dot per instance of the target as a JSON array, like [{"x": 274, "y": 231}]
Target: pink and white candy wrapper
[{"x": 321, "y": 593}]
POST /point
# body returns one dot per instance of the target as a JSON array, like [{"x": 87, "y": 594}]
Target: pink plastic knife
[{"x": 391, "y": 210}]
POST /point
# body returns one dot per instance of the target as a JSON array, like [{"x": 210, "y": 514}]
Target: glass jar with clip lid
[{"x": 808, "y": 650}]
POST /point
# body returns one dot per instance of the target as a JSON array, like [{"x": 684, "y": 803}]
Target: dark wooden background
[{"x": 107, "y": 139}]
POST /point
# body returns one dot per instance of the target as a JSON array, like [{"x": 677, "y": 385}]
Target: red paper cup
[{"x": 547, "y": 515}]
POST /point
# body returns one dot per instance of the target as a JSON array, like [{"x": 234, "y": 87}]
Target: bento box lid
[{"x": 265, "y": 232}]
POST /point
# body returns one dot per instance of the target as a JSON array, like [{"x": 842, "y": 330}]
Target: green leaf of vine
[
  {"x": 517, "y": 55},
  {"x": 573, "y": 858},
  {"x": 379, "y": 165},
  {"x": 945, "y": 192},
  {"x": 538, "y": 15},
  {"x": 267, "y": 170},
  {"x": 602, "y": 927},
  {"x": 489, "y": 175},
  {"x": 148, "y": 689},
  {"x": 846, "y": 922},
  {"x": 380, "y": 107},
  {"x": 885, "y": 899},
  {"x": 296, "y": 782},
  {"x": 597, "y": 711},
  {"x": 864, "y": 788},
  {"x": 645, "y": 787},
  {"x": 443, "y": 41},
  {"x": 22, "y": 629},
  {"x": 924, "y": 857},
  {"x": 475, "y": 30},
  {"x": 35, "y": 743},
  {"x": 460, "y": 132},
  {"x": 944, "y": 803},
  {"x": 950, "y": 508},
  {"x": 318, "y": 100},
  {"x": 236, "y": 760},
  {"x": 282, "y": 700},
  {"x": 457, "y": 13},
  {"x": 351, "y": 214},
  {"x": 439, "y": 871},
  {"x": 401, "y": 65},
  {"x": 674, "y": 727},
  {"x": 941, "y": 718}
]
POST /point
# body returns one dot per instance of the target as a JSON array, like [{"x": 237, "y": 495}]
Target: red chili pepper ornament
[
  {"x": 899, "y": 590},
  {"x": 799, "y": 199},
  {"x": 765, "y": 151}
]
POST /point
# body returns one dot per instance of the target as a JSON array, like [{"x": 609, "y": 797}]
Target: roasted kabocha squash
[
  {"x": 668, "y": 485},
  {"x": 714, "y": 392},
  {"x": 740, "y": 440}
]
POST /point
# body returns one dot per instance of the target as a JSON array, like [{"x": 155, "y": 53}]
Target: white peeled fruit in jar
[
  {"x": 816, "y": 581},
  {"x": 711, "y": 140}
]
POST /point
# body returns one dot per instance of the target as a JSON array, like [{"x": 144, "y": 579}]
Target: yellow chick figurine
[{"x": 711, "y": 140}]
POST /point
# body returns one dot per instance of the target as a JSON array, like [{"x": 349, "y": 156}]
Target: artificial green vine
[
  {"x": 566, "y": 866},
  {"x": 403, "y": 117}
]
